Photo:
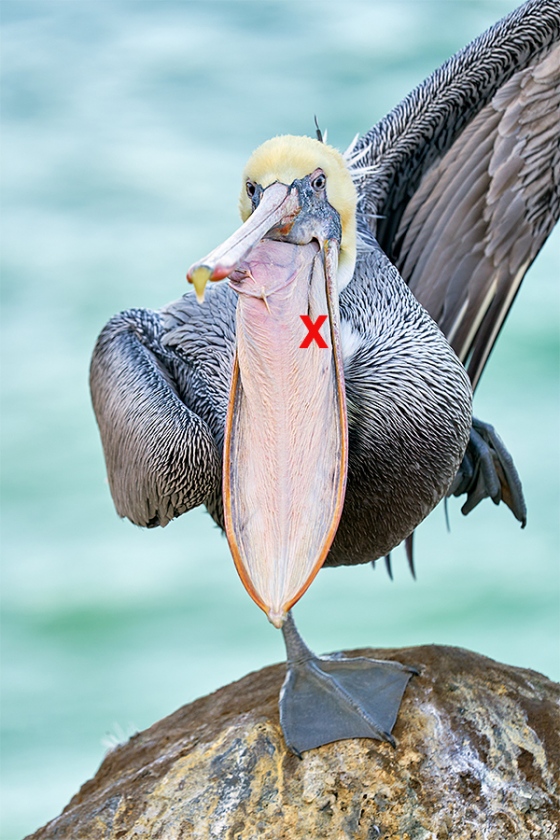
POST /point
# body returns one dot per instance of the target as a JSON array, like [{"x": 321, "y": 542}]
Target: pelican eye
[
  {"x": 251, "y": 189},
  {"x": 319, "y": 183}
]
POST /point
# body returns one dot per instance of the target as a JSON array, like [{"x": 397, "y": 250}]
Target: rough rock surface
[{"x": 477, "y": 757}]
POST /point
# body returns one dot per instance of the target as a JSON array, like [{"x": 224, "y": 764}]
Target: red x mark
[{"x": 313, "y": 333}]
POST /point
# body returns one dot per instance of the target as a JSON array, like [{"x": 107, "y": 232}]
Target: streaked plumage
[
  {"x": 333, "y": 456},
  {"x": 465, "y": 175},
  {"x": 460, "y": 186}
]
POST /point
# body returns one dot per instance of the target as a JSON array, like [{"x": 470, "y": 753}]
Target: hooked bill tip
[{"x": 199, "y": 277}]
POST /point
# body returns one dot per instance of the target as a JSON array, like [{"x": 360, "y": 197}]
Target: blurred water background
[{"x": 126, "y": 126}]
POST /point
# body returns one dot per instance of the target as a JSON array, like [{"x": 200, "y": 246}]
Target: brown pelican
[{"x": 312, "y": 403}]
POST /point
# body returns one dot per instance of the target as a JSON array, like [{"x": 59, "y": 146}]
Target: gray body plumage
[
  {"x": 160, "y": 384},
  {"x": 464, "y": 174}
]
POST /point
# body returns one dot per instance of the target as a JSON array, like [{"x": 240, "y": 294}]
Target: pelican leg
[
  {"x": 488, "y": 470},
  {"x": 331, "y": 698}
]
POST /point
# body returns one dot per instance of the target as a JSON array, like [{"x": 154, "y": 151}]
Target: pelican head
[
  {"x": 285, "y": 452},
  {"x": 288, "y": 159},
  {"x": 313, "y": 182}
]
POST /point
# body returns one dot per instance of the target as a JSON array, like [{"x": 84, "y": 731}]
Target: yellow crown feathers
[{"x": 287, "y": 158}]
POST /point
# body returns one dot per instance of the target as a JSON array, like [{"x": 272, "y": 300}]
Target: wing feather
[
  {"x": 464, "y": 174},
  {"x": 161, "y": 457}
]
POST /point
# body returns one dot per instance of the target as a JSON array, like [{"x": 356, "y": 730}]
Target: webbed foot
[
  {"x": 331, "y": 698},
  {"x": 487, "y": 470}
]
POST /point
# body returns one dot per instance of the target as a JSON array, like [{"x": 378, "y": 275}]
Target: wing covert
[
  {"x": 161, "y": 457},
  {"x": 465, "y": 174}
]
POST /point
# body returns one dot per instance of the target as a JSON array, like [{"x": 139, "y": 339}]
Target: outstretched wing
[
  {"x": 464, "y": 177},
  {"x": 161, "y": 457}
]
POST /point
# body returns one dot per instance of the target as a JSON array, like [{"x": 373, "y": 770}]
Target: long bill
[{"x": 286, "y": 439}]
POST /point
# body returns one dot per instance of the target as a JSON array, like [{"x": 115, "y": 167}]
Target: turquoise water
[{"x": 126, "y": 127}]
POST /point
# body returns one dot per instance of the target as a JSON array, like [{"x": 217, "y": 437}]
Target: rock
[{"x": 477, "y": 757}]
